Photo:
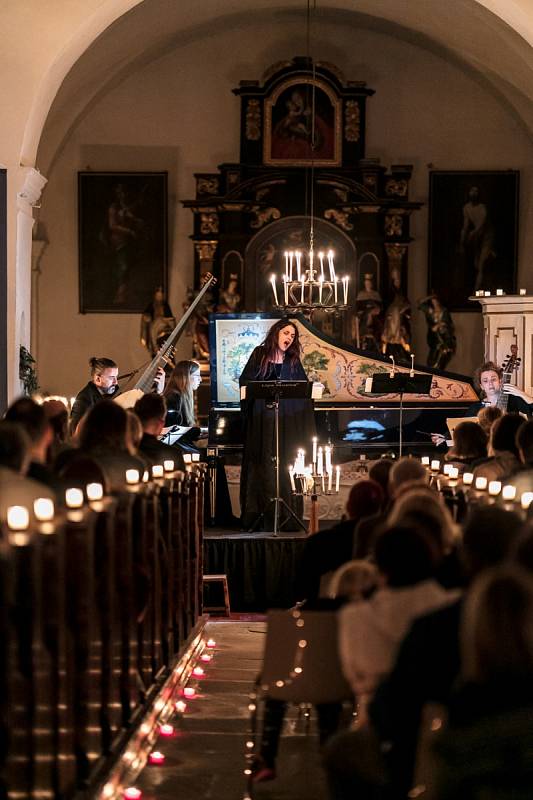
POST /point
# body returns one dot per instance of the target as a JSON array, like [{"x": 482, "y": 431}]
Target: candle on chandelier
[
  {"x": 331, "y": 265},
  {"x": 320, "y": 288},
  {"x": 321, "y": 259},
  {"x": 274, "y": 290},
  {"x": 335, "y": 288},
  {"x": 320, "y": 463},
  {"x": 328, "y": 458},
  {"x": 286, "y": 289},
  {"x": 303, "y": 286},
  {"x": 345, "y": 289},
  {"x": 291, "y": 258},
  {"x": 330, "y": 478},
  {"x": 286, "y": 263},
  {"x": 315, "y": 443},
  {"x": 298, "y": 265},
  {"x": 337, "y": 478}
]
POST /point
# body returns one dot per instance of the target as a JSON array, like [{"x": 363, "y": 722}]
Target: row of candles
[
  {"x": 318, "y": 474},
  {"x": 499, "y": 293},
  {"x": 494, "y": 489},
  {"x": 18, "y": 516}
]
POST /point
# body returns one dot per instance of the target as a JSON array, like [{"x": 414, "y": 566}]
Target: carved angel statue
[
  {"x": 157, "y": 322},
  {"x": 441, "y": 332}
]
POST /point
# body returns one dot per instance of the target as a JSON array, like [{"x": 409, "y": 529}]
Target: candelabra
[
  {"x": 315, "y": 478},
  {"x": 310, "y": 289}
]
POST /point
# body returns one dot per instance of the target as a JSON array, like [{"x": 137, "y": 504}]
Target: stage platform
[{"x": 261, "y": 568}]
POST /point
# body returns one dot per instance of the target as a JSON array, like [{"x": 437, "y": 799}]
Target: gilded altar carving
[
  {"x": 205, "y": 250},
  {"x": 342, "y": 194},
  {"x": 396, "y": 188},
  {"x": 341, "y": 218},
  {"x": 393, "y": 225},
  {"x": 209, "y": 222},
  {"x": 352, "y": 121},
  {"x": 207, "y": 186},
  {"x": 395, "y": 254},
  {"x": 253, "y": 120},
  {"x": 263, "y": 215}
]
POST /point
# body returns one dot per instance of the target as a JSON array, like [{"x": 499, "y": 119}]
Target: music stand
[
  {"x": 273, "y": 392},
  {"x": 401, "y": 383}
]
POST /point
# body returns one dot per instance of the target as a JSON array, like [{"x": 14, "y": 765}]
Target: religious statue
[
  {"x": 229, "y": 301},
  {"x": 441, "y": 332},
  {"x": 396, "y": 336},
  {"x": 157, "y": 322},
  {"x": 368, "y": 307}
]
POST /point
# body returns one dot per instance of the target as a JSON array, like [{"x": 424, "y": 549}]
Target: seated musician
[
  {"x": 151, "y": 410},
  {"x": 488, "y": 379},
  {"x": 102, "y": 385},
  {"x": 184, "y": 380}
]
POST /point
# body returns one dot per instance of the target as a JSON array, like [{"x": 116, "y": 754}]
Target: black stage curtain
[{"x": 261, "y": 570}]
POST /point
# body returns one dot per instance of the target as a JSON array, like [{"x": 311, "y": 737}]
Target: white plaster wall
[{"x": 178, "y": 113}]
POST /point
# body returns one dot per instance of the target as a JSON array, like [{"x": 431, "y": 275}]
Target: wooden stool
[{"x": 223, "y": 579}]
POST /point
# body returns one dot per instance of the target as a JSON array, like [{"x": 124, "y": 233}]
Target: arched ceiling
[{"x": 492, "y": 39}]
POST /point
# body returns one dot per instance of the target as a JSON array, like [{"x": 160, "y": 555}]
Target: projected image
[{"x": 365, "y": 430}]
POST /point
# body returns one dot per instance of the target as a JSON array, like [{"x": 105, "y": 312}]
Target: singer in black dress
[{"x": 278, "y": 358}]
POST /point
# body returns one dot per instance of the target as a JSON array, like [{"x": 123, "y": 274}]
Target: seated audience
[
  {"x": 326, "y": 550},
  {"x": 523, "y": 476},
  {"x": 503, "y": 457},
  {"x": 469, "y": 445},
  {"x": 403, "y": 474},
  {"x": 379, "y": 471},
  {"x": 487, "y": 416},
  {"x": 355, "y": 580},
  {"x": 32, "y": 417},
  {"x": 15, "y": 455},
  {"x": 151, "y": 411},
  {"x": 486, "y": 749},
  {"x": 57, "y": 415}
]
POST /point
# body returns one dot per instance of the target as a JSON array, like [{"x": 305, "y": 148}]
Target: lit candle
[
  {"x": 43, "y": 508},
  {"x": 425, "y": 461},
  {"x": 447, "y": 468},
  {"x": 210, "y": 643},
  {"x": 321, "y": 259},
  {"x": 156, "y": 758},
  {"x": 180, "y": 706},
  {"x": 495, "y": 488},
  {"x": 205, "y": 657},
  {"x": 487, "y": 294},
  {"x": 454, "y": 473},
  {"x": 509, "y": 492},
  {"x": 168, "y": 465},
  {"x": 328, "y": 458},
  {"x": 481, "y": 483},
  {"x": 303, "y": 287},
  {"x": 157, "y": 471},
  {"x": 345, "y": 289},
  {"x": 330, "y": 477},
  {"x": 94, "y": 491},
  {"x": 198, "y": 672},
  {"x": 298, "y": 265},
  {"x": 166, "y": 730},
  {"x": 435, "y": 465},
  {"x": 286, "y": 290},
  {"x": 196, "y": 457},
  {"x": 331, "y": 267},
  {"x": 526, "y": 500},
  {"x": 132, "y": 793},
  {"x": 286, "y": 263},
  {"x": 18, "y": 518},
  {"x": 499, "y": 292},
  {"x": 291, "y": 258},
  {"x": 335, "y": 289},
  {"x": 274, "y": 290},
  {"x": 412, "y": 372},
  {"x": 315, "y": 443},
  {"x": 74, "y": 498},
  {"x": 320, "y": 463},
  {"x": 468, "y": 478},
  {"x": 522, "y": 292},
  {"x": 291, "y": 476},
  {"x": 132, "y": 476},
  {"x": 146, "y": 476},
  {"x": 337, "y": 478},
  {"x": 187, "y": 458},
  {"x": 189, "y": 692},
  {"x": 323, "y": 484},
  {"x": 320, "y": 288}
]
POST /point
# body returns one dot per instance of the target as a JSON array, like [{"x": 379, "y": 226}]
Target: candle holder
[{"x": 317, "y": 288}]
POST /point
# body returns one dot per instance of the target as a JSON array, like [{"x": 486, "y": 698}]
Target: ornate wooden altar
[{"x": 247, "y": 214}]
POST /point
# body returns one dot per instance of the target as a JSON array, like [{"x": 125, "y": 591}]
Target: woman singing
[{"x": 278, "y": 358}]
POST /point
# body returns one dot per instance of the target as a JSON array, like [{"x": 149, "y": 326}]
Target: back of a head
[
  {"x": 524, "y": 441},
  {"x": 404, "y": 556},
  {"x": 503, "y": 433},
  {"x": 56, "y": 413},
  {"x": 497, "y": 627},
  {"x": 487, "y": 416},
  {"x": 469, "y": 441},
  {"x": 379, "y": 471},
  {"x": 406, "y": 470},
  {"x": 14, "y": 447},
  {"x": 489, "y": 535},
  {"x": 104, "y": 427},
  {"x": 366, "y": 498},
  {"x": 30, "y": 415},
  {"x": 355, "y": 580},
  {"x": 150, "y": 408},
  {"x": 425, "y": 507}
]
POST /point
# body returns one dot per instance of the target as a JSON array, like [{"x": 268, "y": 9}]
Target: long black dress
[{"x": 296, "y": 427}]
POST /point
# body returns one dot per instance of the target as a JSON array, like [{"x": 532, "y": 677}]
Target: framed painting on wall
[
  {"x": 473, "y": 234},
  {"x": 289, "y": 125},
  {"x": 122, "y": 234}
]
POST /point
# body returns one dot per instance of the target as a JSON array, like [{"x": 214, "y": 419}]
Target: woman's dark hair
[
  {"x": 180, "y": 383},
  {"x": 503, "y": 433},
  {"x": 469, "y": 441},
  {"x": 270, "y": 345},
  {"x": 105, "y": 428},
  {"x": 366, "y": 497},
  {"x": 404, "y": 556},
  {"x": 98, "y": 365}
]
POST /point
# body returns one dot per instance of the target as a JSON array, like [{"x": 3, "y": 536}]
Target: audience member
[
  {"x": 487, "y": 416},
  {"x": 523, "y": 477},
  {"x": 503, "y": 457},
  {"x": 326, "y": 550},
  {"x": 379, "y": 471},
  {"x": 151, "y": 410},
  {"x": 32, "y": 417},
  {"x": 56, "y": 413},
  {"x": 15, "y": 455},
  {"x": 404, "y": 473},
  {"x": 469, "y": 445},
  {"x": 485, "y": 751},
  {"x": 355, "y": 580}
]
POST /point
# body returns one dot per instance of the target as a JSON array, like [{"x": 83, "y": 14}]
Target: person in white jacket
[{"x": 371, "y": 631}]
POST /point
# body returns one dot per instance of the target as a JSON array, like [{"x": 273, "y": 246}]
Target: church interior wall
[{"x": 178, "y": 114}]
